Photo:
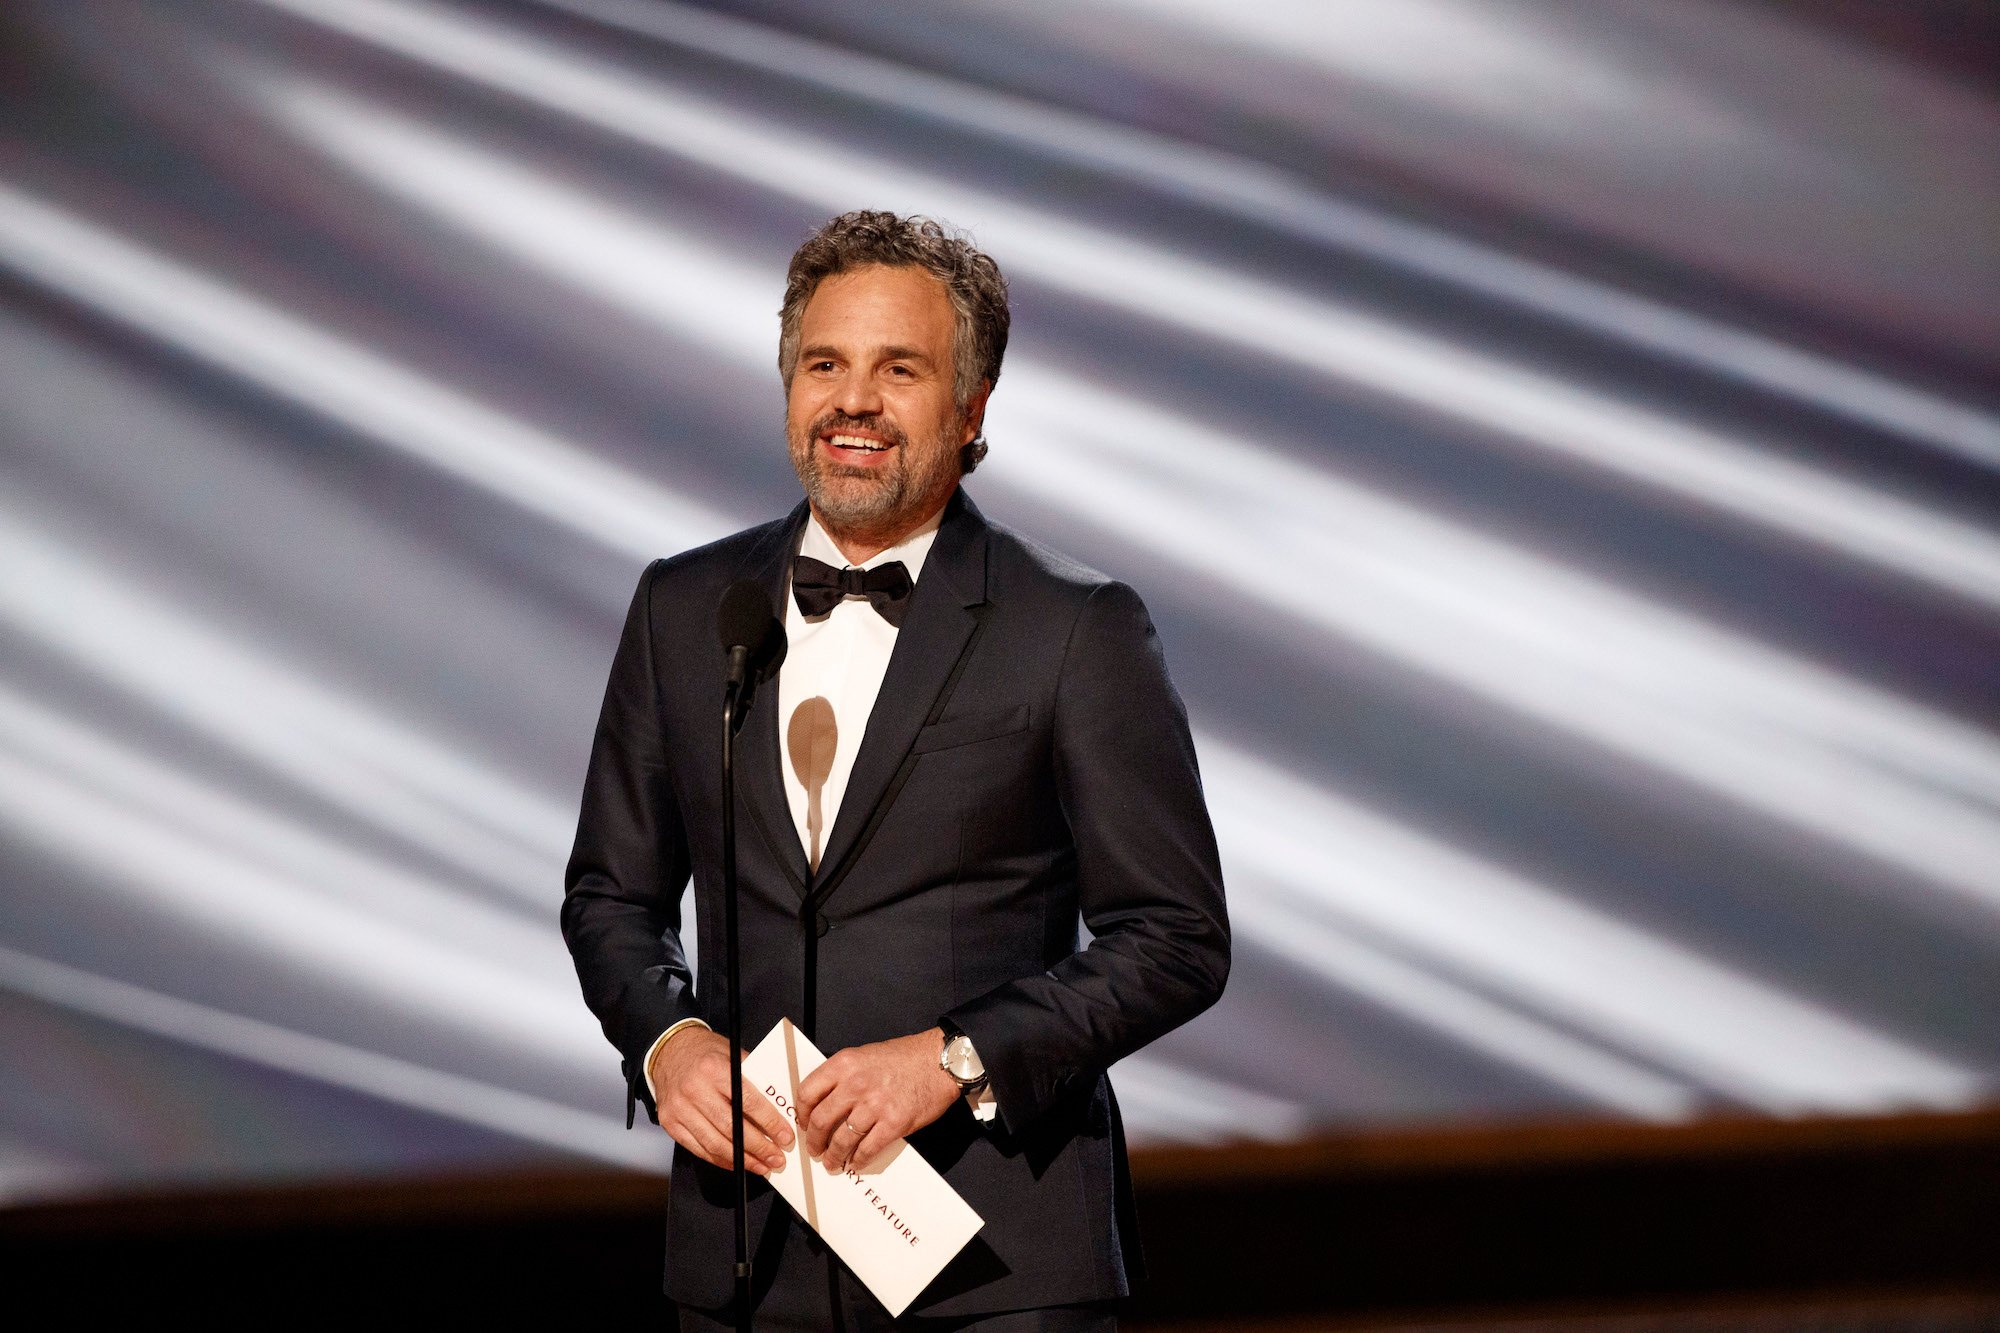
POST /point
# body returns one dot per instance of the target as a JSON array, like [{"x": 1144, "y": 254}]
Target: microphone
[{"x": 751, "y": 636}]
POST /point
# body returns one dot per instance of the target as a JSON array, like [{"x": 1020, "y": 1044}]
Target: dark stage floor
[{"x": 1889, "y": 1224}]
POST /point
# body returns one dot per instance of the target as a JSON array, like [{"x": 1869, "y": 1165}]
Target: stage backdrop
[{"x": 1557, "y": 439}]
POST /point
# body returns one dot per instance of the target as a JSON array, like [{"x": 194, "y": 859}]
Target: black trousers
[{"x": 802, "y": 1287}]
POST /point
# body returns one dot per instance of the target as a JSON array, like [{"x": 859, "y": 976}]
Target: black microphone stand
[{"x": 735, "y": 706}]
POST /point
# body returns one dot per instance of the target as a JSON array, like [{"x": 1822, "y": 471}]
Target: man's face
[{"x": 869, "y": 418}]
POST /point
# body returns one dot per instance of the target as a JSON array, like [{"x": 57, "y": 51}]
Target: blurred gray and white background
[{"x": 1559, "y": 441}]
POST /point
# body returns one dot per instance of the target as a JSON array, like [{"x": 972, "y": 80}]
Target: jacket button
[{"x": 821, "y": 925}]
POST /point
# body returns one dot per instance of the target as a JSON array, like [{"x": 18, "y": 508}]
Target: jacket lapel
[
  {"x": 928, "y": 646},
  {"x": 760, "y": 777}
]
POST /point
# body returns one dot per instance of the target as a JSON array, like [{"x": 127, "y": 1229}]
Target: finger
[
  {"x": 880, "y": 1138},
  {"x": 824, "y": 1117},
  {"x": 769, "y": 1117},
  {"x": 715, "y": 1139},
  {"x": 824, "y": 1082},
  {"x": 757, "y": 1144},
  {"x": 693, "y": 1135},
  {"x": 817, "y": 1084},
  {"x": 833, "y": 1111},
  {"x": 840, "y": 1147}
]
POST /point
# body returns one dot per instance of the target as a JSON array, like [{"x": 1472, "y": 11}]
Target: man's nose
[{"x": 858, "y": 396}]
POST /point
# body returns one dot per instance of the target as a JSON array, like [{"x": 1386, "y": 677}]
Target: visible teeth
[{"x": 858, "y": 442}]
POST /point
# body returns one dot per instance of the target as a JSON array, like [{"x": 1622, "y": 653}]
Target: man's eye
[{"x": 903, "y": 371}]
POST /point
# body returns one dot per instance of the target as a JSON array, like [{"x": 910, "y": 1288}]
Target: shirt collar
[{"x": 911, "y": 550}]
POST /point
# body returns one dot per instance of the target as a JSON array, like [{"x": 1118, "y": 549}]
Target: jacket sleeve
[
  {"x": 622, "y": 889},
  {"x": 1149, "y": 883}
]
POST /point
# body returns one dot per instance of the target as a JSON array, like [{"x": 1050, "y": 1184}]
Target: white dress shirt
[{"x": 833, "y": 670}]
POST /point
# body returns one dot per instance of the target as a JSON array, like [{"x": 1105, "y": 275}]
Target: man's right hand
[{"x": 690, "y": 1074}]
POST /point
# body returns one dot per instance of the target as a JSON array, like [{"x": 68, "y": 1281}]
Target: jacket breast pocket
[{"x": 972, "y": 727}]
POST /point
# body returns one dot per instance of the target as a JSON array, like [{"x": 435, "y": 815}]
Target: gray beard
[
  {"x": 868, "y": 505},
  {"x": 881, "y": 501}
]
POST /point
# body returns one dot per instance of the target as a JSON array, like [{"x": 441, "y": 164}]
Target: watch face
[{"x": 962, "y": 1060}]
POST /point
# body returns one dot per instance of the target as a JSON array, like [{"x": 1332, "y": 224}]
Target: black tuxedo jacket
[{"x": 1027, "y": 766}]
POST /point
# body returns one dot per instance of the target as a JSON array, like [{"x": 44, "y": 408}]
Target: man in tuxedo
[{"x": 971, "y": 748}]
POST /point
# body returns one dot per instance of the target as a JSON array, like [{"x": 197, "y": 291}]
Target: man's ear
[
  {"x": 974, "y": 416},
  {"x": 972, "y": 448}
]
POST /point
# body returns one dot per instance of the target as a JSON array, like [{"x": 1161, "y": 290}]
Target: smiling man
[
  {"x": 877, "y": 428},
  {"x": 974, "y": 751}
]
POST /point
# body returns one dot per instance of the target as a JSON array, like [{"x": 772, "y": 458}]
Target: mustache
[{"x": 834, "y": 422}]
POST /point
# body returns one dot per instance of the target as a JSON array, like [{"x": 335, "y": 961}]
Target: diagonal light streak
[
  {"x": 332, "y": 744},
  {"x": 1161, "y": 1100},
  {"x": 1324, "y": 859},
  {"x": 1843, "y": 761},
  {"x": 467, "y": 1101},
  {"x": 73, "y": 752},
  {"x": 158, "y": 859},
  {"x": 1318, "y": 945},
  {"x": 29, "y": 1172},
  {"x": 1438, "y": 378},
  {"x": 288, "y": 357},
  {"x": 1243, "y": 187},
  {"x": 628, "y": 261}
]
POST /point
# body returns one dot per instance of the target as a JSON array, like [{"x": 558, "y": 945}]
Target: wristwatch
[{"x": 960, "y": 1061}]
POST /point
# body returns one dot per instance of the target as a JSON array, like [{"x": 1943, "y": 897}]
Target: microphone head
[
  {"x": 744, "y": 620},
  {"x": 744, "y": 617}
]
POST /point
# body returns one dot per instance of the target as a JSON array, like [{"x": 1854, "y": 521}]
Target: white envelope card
[{"x": 897, "y": 1223}]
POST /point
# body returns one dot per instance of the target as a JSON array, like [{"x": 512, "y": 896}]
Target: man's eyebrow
[{"x": 892, "y": 352}]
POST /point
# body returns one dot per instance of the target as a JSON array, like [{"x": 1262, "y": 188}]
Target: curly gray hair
[{"x": 971, "y": 279}]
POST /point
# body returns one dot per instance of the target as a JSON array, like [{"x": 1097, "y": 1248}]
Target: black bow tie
[{"x": 818, "y": 587}]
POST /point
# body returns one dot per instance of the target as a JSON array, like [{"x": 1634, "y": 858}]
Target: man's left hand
[{"x": 866, "y": 1097}]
